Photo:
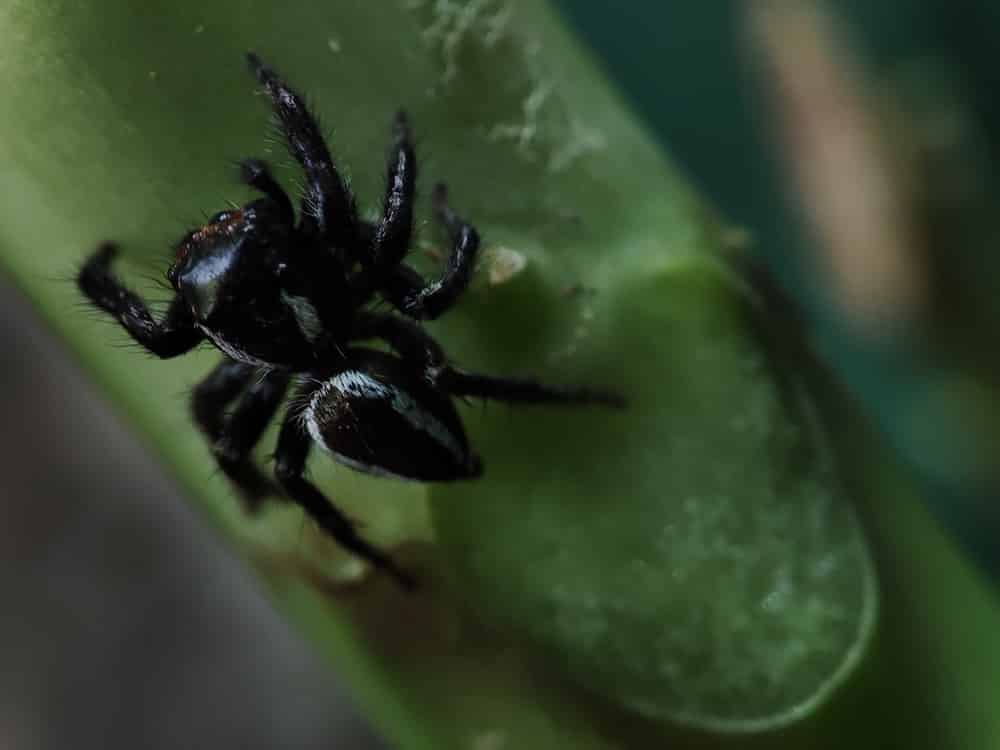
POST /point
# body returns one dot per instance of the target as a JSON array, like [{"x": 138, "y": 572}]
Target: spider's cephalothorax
[{"x": 282, "y": 298}]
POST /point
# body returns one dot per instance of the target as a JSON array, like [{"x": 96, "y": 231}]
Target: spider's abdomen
[{"x": 379, "y": 416}]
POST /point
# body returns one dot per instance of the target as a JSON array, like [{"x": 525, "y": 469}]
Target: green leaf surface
[
  {"x": 688, "y": 558},
  {"x": 657, "y": 577}
]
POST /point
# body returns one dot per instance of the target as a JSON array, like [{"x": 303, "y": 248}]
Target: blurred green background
[{"x": 933, "y": 62}]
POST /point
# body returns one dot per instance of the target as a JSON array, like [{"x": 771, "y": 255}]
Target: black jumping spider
[{"x": 283, "y": 300}]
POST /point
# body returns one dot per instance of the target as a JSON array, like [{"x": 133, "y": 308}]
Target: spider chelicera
[{"x": 283, "y": 300}]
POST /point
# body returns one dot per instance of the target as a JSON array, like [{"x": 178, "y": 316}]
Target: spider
[{"x": 285, "y": 300}]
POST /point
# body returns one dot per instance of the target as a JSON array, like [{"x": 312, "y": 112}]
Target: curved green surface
[{"x": 690, "y": 558}]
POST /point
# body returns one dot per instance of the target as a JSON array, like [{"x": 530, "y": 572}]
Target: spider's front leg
[
  {"x": 391, "y": 237},
  {"x": 435, "y": 298},
  {"x": 172, "y": 336},
  {"x": 290, "y": 463},
  {"x": 257, "y": 174},
  {"x": 233, "y": 438},
  {"x": 386, "y": 243},
  {"x": 327, "y": 205},
  {"x": 389, "y": 241}
]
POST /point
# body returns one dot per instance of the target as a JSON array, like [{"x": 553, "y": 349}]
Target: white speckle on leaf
[
  {"x": 524, "y": 132},
  {"x": 581, "y": 140},
  {"x": 504, "y": 264},
  {"x": 491, "y": 739},
  {"x": 496, "y": 26},
  {"x": 539, "y": 123},
  {"x": 453, "y": 24},
  {"x": 351, "y": 570}
]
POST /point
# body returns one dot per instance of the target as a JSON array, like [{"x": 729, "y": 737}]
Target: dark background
[{"x": 125, "y": 623}]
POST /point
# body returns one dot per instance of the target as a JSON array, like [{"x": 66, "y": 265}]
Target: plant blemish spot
[
  {"x": 505, "y": 264},
  {"x": 493, "y": 739}
]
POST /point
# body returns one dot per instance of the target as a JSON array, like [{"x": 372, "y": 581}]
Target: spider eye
[{"x": 221, "y": 217}]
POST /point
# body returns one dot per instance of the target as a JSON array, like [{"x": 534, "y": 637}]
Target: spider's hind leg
[
  {"x": 522, "y": 390},
  {"x": 243, "y": 431},
  {"x": 234, "y": 437},
  {"x": 290, "y": 463},
  {"x": 215, "y": 392}
]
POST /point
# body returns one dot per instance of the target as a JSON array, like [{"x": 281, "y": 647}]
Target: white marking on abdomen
[{"x": 360, "y": 385}]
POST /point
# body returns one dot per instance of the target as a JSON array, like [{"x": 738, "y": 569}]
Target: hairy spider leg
[
  {"x": 416, "y": 346},
  {"x": 328, "y": 209},
  {"x": 406, "y": 290},
  {"x": 521, "y": 390},
  {"x": 403, "y": 336},
  {"x": 233, "y": 437},
  {"x": 290, "y": 457},
  {"x": 391, "y": 238},
  {"x": 257, "y": 174},
  {"x": 215, "y": 392},
  {"x": 394, "y": 282},
  {"x": 243, "y": 430},
  {"x": 173, "y": 335},
  {"x": 432, "y": 300},
  {"x": 387, "y": 242}
]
